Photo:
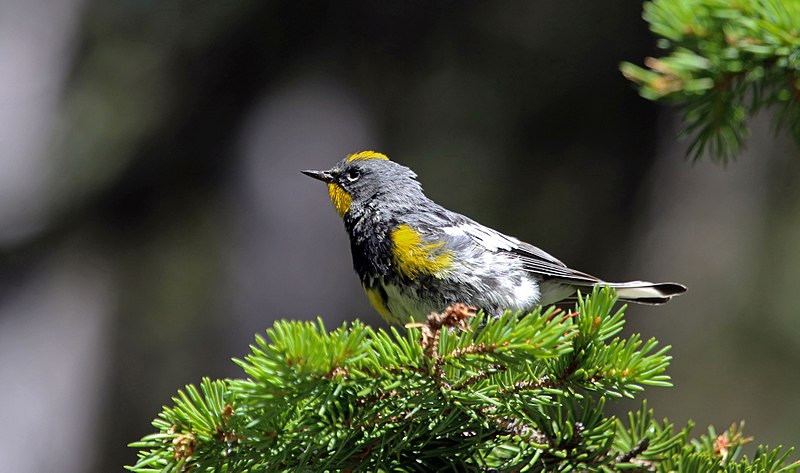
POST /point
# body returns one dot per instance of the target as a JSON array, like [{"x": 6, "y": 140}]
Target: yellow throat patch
[
  {"x": 340, "y": 198},
  {"x": 366, "y": 155},
  {"x": 413, "y": 256}
]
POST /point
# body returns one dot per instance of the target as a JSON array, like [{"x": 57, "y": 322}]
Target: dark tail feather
[{"x": 643, "y": 292}]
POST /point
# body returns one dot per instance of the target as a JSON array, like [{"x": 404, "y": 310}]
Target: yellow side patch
[
  {"x": 340, "y": 198},
  {"x": 413, "y": 256},
  {"x": 366, "y": 155},
  {"x": 376, "y": 301}
]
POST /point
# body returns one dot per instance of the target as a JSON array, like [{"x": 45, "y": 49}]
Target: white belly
[{"x": 405, "y": 306}]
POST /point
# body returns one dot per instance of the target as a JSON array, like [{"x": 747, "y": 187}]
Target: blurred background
[{"x": 153, "y": 217}]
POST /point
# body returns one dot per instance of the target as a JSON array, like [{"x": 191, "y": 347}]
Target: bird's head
[{"x": 368, "y": 176}]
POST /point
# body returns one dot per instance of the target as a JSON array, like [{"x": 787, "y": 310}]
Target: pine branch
[
  {"x": 457, "y": 393},
  {"x": 725, "y": 60}
]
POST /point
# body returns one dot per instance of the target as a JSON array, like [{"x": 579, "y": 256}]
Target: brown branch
[
  {"x": 455, "y": 315},
  {"x": 480, "y": 376},
  {"x": 628, "y": 456}
]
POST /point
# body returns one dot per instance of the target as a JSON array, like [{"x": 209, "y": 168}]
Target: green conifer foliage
[
  {"x": 456, "y": 393},
  {"x": 724, "y": 61}
]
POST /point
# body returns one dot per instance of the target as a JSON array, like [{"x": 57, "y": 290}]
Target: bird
[{"x": 414, "y": 257}]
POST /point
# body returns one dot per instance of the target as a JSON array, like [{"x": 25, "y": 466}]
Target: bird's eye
[{"x": 353, "y": 175}]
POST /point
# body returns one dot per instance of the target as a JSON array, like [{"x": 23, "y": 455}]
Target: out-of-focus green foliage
[
  {"x": 725, "y": 60},
  {"x": 516, "y": 394}
]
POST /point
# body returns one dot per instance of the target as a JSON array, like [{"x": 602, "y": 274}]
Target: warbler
[{"x": 414, "y": 256}]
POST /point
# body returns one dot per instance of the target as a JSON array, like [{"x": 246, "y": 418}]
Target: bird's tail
[{"x": 643, "y": 292}]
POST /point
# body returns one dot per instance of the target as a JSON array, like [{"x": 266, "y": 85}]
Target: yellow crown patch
[{"x": 365, "y": 156}]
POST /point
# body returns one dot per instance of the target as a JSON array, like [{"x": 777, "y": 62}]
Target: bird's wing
[
  {"x": 541, "y": 262},
  {"x": 533, "y": 259}
]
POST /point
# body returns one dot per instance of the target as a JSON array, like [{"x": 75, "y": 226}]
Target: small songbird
[{"x": 415, "y": 257}]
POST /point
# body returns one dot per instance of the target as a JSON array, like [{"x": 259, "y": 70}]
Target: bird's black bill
[{"x": 323, "y": 176}]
